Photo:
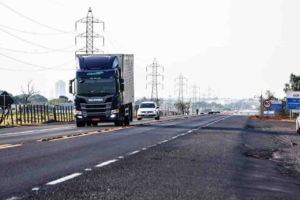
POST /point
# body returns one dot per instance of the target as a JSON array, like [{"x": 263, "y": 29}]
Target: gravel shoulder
[{"x": 235, "y": 158}]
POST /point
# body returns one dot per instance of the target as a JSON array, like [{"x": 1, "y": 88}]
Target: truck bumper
[{"x": 111, "y": 118}]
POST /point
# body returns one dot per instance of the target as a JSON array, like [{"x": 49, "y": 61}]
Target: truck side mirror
[
  {"x": 71, "y": 86},
  {"x": 122, "y": 88}
]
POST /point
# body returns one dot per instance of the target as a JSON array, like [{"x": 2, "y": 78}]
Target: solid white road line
[
  {"x": 64, "y": 179},
  {"x": 107, "y": 163},
  {"x": 33, "y": 131}
]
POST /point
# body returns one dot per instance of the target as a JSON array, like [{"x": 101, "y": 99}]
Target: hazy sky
[{"x": 237, "y": 47}]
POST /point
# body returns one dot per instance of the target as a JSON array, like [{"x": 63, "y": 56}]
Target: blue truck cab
[{"x": 103, "y": 89}]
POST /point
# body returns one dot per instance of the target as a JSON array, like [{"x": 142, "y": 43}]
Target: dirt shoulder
[
  {"x": 278, "y": 118},
  {"x": 275, "y": 141}
]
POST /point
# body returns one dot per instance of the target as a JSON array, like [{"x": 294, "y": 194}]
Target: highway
[
  {"x": 37, "y": 162},
  {"x": 200, "y": 157}
]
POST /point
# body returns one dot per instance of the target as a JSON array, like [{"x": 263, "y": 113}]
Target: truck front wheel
[
  {"x": 119, "y": 123},
  {"x": 127, "y": 121},
  {"x": 80, "y": 124}
]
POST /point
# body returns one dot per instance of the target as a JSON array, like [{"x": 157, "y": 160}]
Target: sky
[{"x": 238, "y": 48}]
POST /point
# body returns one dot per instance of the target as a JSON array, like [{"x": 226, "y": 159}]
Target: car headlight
[
  {"x": 114, "y": 111},
  {"x": 78, "y": 112}
]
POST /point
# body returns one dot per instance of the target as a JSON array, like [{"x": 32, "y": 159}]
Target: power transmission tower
[
  {"x": 89, "y": 35},
  {"x": 195, "y": 90},
  {"x": 181, "y": 83},
  {"x": 154, "y": 82}
]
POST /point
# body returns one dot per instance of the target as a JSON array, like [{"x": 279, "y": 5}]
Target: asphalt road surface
[{"x": 196, "y": 158}]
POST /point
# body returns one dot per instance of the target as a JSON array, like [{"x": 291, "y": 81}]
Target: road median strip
[
  {"x": 5, "y": 146},
  {"x": 108, "y": 130}
]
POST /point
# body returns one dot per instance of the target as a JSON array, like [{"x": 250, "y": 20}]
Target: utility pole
[
  {"x": 261, "y": 106},
  {"x": 89, "y": 35},
  {"x": 154, "y": 74},
  {"x": 181, "y": 83}
]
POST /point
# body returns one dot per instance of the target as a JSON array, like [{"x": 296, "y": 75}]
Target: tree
[
  {"x": 270, "y": 95},
  {"x": 293, "y": 85},
  {"x": 38, "y": 98},
  {"x": 29, "y": 91},
  {"x": 57, "y": 101},
  {"x": 64, "y": 97},
  {"x": 183, "y": 107}
]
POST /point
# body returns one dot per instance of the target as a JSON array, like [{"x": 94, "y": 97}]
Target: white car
[
  {"x": 148, "y": 110},
  {"x": 298, "y": 124}
]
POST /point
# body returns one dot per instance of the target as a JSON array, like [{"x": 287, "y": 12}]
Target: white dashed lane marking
[
  {"x": 64, "y": 179},
  {"x": 107, "y": 163},
  {"x": 121, "y": 157}
]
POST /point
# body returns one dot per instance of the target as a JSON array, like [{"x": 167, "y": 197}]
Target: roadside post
[{"x": 293, "y": 101}]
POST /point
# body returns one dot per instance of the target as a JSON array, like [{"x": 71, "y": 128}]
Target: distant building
[{"x": 60, "y": 88}]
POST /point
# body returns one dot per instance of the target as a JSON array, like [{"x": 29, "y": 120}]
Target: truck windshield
[{"x": 96, "y": 86}]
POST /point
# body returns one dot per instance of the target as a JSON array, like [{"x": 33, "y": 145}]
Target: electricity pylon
[
  {"x": 89, "y": 35},
  {"x": 181, "y": 83},
  {"x": 154, "y": 74}
]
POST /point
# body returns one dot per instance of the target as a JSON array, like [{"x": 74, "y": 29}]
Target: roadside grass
[{"x": 16, "y": 121}]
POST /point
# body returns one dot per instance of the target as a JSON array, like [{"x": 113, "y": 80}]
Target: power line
[
  {"x": 181, "y": 83},
  {"x": 33, "y": 20},
  {"x": 33, "y": 33},
  {"x": 36, "y": 52},
  {"x": 154, "y": 82},
  {"x": 110, "y": 40},
  {"x": 34, "y": 65},
  {"x": 89, "y": 35},
  {"x": 31, "y": 42}
]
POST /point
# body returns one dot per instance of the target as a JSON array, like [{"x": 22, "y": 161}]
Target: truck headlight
[
  {"x": 78, "y": 112},
  {"x": 114, "y": 111}
]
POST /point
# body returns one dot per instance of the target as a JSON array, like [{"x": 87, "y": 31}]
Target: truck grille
[
  {"x": 96, "y": 109},
  {"x": 95, "y": 106}
]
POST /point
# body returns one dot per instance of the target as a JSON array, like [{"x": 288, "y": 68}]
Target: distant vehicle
[
  {"x": 202, "y": 113},
  {"x": 298, "y": 125},
  {"x": 148, "y": 110},
  {"x": 214, "y": 112}
]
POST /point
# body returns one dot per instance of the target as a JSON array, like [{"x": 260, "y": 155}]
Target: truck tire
[
  {"x": 80, "y": 124},
  {"x": 139, "y": 118},
  {"x": 119, "y": 123},
  {"x": 127, "y": 120},
  {"x": 131, "y": 111},
  {"x": 89, "y": 124},
  {"x": 157, "y": 118}
]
